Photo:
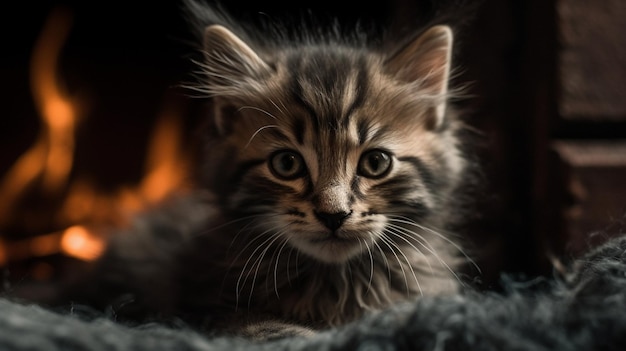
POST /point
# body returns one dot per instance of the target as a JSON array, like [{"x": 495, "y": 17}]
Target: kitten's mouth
[
  {"x": 334, "y": 248},
  {"x": 334, "y": 239}
]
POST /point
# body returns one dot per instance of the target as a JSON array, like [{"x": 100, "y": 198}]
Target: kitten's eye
[
  {"x": 374, "y": 164},
  {"x": 287, "y": 164}
]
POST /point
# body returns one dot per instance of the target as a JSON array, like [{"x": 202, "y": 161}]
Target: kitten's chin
[{"x": 332, "y": 250}]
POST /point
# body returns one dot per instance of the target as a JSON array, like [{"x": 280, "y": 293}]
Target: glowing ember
[{"x": 78, "y": 242}]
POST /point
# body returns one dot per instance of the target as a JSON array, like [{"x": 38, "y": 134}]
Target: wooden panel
[
  {"x": 592, "y": 59},
  {"x": 594, "y": 202}
]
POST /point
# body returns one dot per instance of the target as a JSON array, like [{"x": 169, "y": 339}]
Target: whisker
[
  {"x": 385, "y": 240},
  {"x": 278, "y": 108},
  {"x": 258, "y": 236},
  {"x": 257, "y": 109},
  {"x": 258, "y": 263},
  {"x": 233, "y": 261},
  {"x": 394, "y": 230},
  {"x": 414, "y": 235},
  {"x": 242, "y": 229},
  {"x": 275, "y": 256},
  {"x": 276, "y": 268},
  {"x": 254, "y": 271},
  {"x": 388, "y": 242},
  {"x": 297, "y": 263},
  {"x": 385, "y": 261},
  {"x": 289, "y": 265},
  {"x": 406, "y": 220},
  {"x": 238, "y": 290},
  {"x": 369, "y": 283},
  {"x": 259, "y": 131}
]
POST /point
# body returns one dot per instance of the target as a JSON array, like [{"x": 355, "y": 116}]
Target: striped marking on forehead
[{"x": 329, "y": 86}]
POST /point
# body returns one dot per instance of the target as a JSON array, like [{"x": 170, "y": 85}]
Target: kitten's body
[{"x": 331, "y": 174}]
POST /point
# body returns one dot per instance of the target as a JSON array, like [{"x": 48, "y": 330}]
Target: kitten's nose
[{"x": 332, "y": 220}]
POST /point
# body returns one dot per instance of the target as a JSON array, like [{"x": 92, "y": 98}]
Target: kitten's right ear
[{"x": 232, "y": 67}]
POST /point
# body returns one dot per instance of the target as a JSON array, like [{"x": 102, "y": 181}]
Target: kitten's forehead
[{"x": 329, "y": 84}]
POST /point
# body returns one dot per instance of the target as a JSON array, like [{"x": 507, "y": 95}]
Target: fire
[
  {"x": 55, "y": 107},
  {"x": 78, "y": 242},
  {"x": 39, "y": 246},
  {"x": 85, "y": 210},
  {"x": 51, "y": 156},
  {"x": 164, "y": 162}
]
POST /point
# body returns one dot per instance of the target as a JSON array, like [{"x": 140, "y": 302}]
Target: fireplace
[{"x": 96, "y": 130}]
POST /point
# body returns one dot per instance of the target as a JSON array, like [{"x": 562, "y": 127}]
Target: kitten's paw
[{"x": 273, "y": 329}]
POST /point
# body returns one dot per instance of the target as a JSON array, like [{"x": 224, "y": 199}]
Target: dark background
[{"x": 540, "y": 72}]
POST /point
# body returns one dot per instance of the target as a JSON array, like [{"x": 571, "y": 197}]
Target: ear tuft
[
  {"x": 229, "y": 62},
  {"x": 426, "y": 61}
]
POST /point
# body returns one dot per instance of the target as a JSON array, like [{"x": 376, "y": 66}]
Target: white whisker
[
  {"x": 297, "y": 263},
  {"x": 257, "y": 109},
  {"x": 276, "y": 268},
  {"x": 238, "y": 290},
  {"x": 232, "y": 242},
  {"x": 258, "y": 263},
  {"x": 246, "y": 227},
  {"x": 239, "y": 286},
  {"x": 259, "y": 131},
  {"x": 406, "y": 220},
  {"x": 402, "y": 233},
  {"x": 386, "y": 262},
  {"x": 369, "y": 283},
  {"x": 278, "y": 108},
  {"x": 393, "y": 247},
  {"x": 394, "y": 230},
  {"x": 289, "y": 265}
]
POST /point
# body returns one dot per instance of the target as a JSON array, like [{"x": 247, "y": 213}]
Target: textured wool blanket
[{"x": 584, "y": 310}]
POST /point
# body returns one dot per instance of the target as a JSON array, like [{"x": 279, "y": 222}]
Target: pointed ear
[
  {"x": 426, "y": 61},
  {"x": 230, "y": 64}
]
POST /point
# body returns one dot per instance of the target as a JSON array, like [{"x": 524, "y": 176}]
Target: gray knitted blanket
[{"x": 585, "y": 311}]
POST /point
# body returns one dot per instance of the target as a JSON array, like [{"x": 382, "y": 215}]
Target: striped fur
[
  {"x": 332, "y": 170},
  {"x": 330, "y": 103}
]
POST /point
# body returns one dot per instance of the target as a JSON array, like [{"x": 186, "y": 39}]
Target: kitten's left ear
[{"x": 426, "y": 60}]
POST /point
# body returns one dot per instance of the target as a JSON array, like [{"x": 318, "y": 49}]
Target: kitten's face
[{"x": 329, "y": 149}]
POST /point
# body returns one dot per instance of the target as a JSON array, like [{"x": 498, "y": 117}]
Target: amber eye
[
  {"x": 287, "y": 164},
  {"x": 374, "y": 164}
]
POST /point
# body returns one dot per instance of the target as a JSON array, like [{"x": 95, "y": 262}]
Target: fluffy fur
[
  {"x": 330, "y": 179},
  {"x": 585, "y": 311}
]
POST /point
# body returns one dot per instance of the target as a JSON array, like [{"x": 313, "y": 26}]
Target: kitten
[{"x": 332, "y": 170}]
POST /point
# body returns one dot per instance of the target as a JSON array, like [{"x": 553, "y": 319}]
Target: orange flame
[
  {"x": 55, "y": 108},
  {"x": 51, "y": 156},
  {"x": 164, "y": 165},
  {"x": 50, "y": 161},
  {"x": 165, "y": 173},
  {"x": 40, "y": 246}
]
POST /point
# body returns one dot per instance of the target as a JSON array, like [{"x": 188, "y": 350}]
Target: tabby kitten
[{"x": 330, "y": 175}]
